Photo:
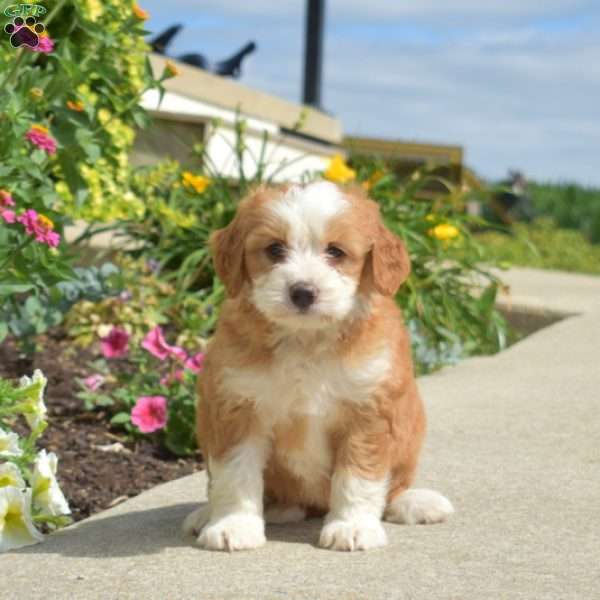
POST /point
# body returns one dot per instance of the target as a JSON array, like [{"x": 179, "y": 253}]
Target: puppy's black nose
[{"x": 303, "y": 294}]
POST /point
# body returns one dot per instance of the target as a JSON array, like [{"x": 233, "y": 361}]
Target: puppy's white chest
[{"x": 312, "y": 383}]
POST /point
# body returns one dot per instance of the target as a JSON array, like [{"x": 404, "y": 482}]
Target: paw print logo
[{"x": 24, "y": 32}]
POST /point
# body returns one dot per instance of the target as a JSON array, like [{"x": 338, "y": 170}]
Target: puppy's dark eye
[
  {"x": 275, "y": 251},
  {"x": 334, "y": 252}
]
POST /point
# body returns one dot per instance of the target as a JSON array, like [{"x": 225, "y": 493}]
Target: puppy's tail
[{"x": 418, "y": 506}]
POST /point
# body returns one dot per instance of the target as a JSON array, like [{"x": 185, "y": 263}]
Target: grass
[
  {"x": 544, "y": 246},
  {"x": 571, "y": 206}
]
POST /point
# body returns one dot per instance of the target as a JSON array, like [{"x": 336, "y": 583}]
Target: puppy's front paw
[
  {"x": 237, "y": 531},
  {"x": 358, "y": 533}
]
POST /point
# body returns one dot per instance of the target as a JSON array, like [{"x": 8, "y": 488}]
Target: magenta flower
[
  {"x": 45, "y": 45},
  {"x": 6, "y": 199},
  {"x": 39, "y": 136},
  {"x": 116, "y": 343},
  {"x": 149, "y": 413},
  {"x": 39, "y": 226},
  {"x": 156, "y": 344},
  {"x": 195, "y": 363},
  {"x": 8, "y": 215},
  {"x": 93, "y": 382},
  {"x": 172, "y": 377}
]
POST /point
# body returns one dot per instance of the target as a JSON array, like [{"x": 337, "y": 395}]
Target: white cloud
[{"x": 492, "y": 76}]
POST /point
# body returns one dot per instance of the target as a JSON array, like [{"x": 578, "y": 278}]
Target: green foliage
[
  {"x": 447, "y": 319},
  {"x": 29, "y": 315},
  {"x": 123, "y": 382},
  {"x": 571, "y": 206},
  {"x": 66, "y": 121},
  {"x": 544, "y": 246},
  {"x": 146, "y": 300}
]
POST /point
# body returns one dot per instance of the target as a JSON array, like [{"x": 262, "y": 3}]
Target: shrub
[
  {"x": 544, "y": 246},
  {"x": 448, "y": 320},
  {"x": 30, "y": 496},
  {"x": 66, "y": 116},
  {"x": 448, "y": 300},
  {"x": 571, "y": 206}
]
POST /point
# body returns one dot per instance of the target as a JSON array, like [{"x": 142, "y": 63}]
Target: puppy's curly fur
[{"x": 307, "y": 402}]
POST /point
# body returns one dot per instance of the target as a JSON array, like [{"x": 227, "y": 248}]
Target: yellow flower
[
  {"x": 196, "y": 182},
  {"x": 339, "y": 171},
  {"x": 9, "y": 444},
  {"x": 45, "y": 222},
  {"x": 444, "y": 232},
  {"x": 77, "y": 105},
  {"x": 10, "y": 475},
  {"x": 40, "y": 129},
  {"x": 104, "y": 115},
  {"x": 185, "y": 221},
  {"x": 16, "y": 525},
  {"x": 94, "y": 9},
  {"x": 47, "y": 495},
  {"x": 36, "y": 92},
  {"x": 140, "y": 13},
  {"x": 171, "y": 69}
]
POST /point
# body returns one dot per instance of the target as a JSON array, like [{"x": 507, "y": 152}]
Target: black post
[{"x": 313, "y": 52}]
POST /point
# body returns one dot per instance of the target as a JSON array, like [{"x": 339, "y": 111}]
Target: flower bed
[
  {"x": 122, "y": 344},
  {"x": 98, "y": 465}
]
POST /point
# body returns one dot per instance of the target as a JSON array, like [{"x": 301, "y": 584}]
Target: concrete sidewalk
[{"x": 514, "y": 441}]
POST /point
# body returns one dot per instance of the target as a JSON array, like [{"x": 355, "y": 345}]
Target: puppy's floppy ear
[
  {"x": 390, "y": 262},
  {"x": 227, "y": 247}
]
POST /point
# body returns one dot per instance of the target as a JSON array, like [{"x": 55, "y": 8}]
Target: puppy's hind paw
[
  {"x": 276, "y": 514},
  {"x": 419, "y": 506}
]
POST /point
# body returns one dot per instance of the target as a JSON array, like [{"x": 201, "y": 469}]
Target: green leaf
[
  {"x": 121, "y": 418},
  {"x": 15, "y": 288}
]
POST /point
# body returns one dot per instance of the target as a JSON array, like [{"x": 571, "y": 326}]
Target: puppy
[{"x": 307, "y": 402}]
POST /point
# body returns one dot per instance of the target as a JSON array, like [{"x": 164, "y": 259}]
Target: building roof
[{"x": 200, "y": 85}]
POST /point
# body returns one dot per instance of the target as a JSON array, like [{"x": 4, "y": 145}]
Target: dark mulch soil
[{"x": 91, "y": 479}]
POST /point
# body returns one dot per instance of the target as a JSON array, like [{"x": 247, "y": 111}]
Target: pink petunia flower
[
  {"x": 93, "y": 382},
  {"x": 116, "y": 343},
  {"x": 10, "y": 216},
  {"x": 39, "y": 226},
  {"x": 172, "y": 377},
  {"x": 149, "y": 413},
  {"x": 45, "y": 45},
  {"x": 40, "y": 137},
  {"x": 195, "y": 363},
  {"x": 156, "y": 344}
]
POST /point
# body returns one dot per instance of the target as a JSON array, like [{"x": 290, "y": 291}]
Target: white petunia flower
[
  {"x": 16, "y": 525},
  {"x": 36, "y": 410},
  {"x": 47, "y": 495},
  {"x": 9, "y": 444},
  {"x": 10, "y": 475}
]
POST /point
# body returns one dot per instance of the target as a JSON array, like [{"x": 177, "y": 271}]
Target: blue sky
[{"x": 516, "y": 83}]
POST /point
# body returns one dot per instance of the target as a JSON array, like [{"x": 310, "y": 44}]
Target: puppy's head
[{"x": 307, "y": 255}]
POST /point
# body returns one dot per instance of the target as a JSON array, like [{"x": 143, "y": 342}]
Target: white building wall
[{"x": 286, "y": 159}]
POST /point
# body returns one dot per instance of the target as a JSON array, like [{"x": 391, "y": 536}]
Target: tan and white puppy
[{"x": 307, "y": 402}]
